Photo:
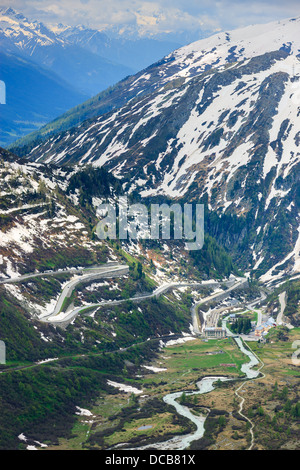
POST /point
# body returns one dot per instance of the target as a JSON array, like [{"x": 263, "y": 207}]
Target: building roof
[
  {"x": 270, "y": 321},
  {"x": 260, "y": 327},
  {"x": 213, "y": 328}
]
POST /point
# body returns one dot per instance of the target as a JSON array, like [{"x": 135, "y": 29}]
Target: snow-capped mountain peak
[
  {"x": 23, "y": 33},
  {"x": 237, "y": 45}
]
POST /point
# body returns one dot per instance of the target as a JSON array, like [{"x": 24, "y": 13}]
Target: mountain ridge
[
  {"x": 226, "y": 133},
  {"x": 84, "y": 70},
  {"x": 171, "y": 67}
]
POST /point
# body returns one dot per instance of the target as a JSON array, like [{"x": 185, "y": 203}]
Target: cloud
[
  {"x": 243, "y": 12},
  {"x": 155, "y": 16}
]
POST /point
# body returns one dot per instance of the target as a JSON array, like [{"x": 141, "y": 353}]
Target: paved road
[
  {"x": 96, "y": 273},
  {"x": 14, "y": 280},
  {"x": 65, "y": 317},
  {"x": 259, "y": 312},
  {"x": 281, "y": 320},
  {"x": 113, "y": 270},
  {"x": 282, "y": 301}
]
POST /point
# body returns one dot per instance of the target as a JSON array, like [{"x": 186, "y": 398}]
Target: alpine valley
[{"x": 142, "y": 344}]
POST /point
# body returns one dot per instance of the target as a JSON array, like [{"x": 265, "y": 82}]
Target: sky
[{"x": 158, "y": 16}]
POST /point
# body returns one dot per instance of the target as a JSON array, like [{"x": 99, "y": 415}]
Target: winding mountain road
[
  {"x": 64, "y": 317},
  {"x": 58, "y": 316},
  {"x": 95, "y": 273},
  {"x": 78, "y": 270}
]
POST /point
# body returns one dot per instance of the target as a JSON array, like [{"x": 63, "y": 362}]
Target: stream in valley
[{"x": 205, "y": 385}]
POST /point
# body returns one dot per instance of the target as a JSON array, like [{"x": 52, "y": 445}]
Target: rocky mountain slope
[
  {"x": 217, "y": 120},
  {"x": 181, "y": 65},
  {"x": 41, "y": 227},
  {"x": 48, "y": 221},
  {"x": 52, "y": 372},
  {"x": 47, "y": 218}
]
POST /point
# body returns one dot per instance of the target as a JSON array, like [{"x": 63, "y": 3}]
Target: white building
[{"x": 215, "y": 332}]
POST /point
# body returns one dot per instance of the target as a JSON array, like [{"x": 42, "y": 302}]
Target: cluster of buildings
[
  {"x": 264, "y": 328},
  {"x": 259, "y": 331}
]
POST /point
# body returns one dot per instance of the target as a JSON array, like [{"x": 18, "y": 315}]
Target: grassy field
[
  {"x": 186, "y": 364},
  {"x": 158, "y": 424},
  {"x": 273, "y": 400},
  {"x": 118, "y": 418},
  {"x": 277, "y": 355},
  {"x": 196, "y": 359}
]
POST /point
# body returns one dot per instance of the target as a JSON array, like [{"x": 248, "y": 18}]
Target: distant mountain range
[
  {"x": 134, "y": 53},
  {"x": 85, "y": 61},
  {"x": 218, "y": 121},
  {"x": 88, "y": 58}
]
